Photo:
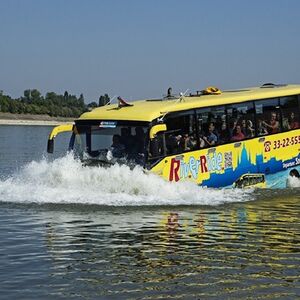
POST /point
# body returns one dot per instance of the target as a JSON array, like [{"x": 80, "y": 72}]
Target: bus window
[
  {"x": 290, "y": 112},
  {"x": 212, "y": 126},
  {"x": 156, "y": 150},
  {"x": 268, "y": 117},
  {"x": 241, "y": 121},
  {"x": 181, "y": 132}
]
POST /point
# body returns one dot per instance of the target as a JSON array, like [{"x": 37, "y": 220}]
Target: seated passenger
[
  {"x": 201, "y": 141},
  {"x": 292, "y": 121},
  {"x": 244, "y": 127},
  {"x": 261, "y": 130},
  {"x": 201, "y": 137},
  {"x": 238, "y": 135},
  {"x": 273, "y": 126},
  {"x": 232, "y": 127},
  {"x": 189, "y": 142},
  {"x": 211, "y": 139},
  {"x": 126, "y": 139},
  {"x": 224, "y": 135},
  {"x": 250, "y": 129},
  {"x": 118, "y": 149},
  {"x": 174, "y": 144},
  {"x": 139, "y": 140}
]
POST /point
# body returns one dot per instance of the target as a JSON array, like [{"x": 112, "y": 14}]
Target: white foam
[
  {"x": 65, "y": 180},
  {"x": 293, "y": 182}
]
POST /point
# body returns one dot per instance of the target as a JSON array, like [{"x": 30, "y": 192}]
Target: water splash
[
  {"x": 293, "y": 182},
  {"x": 66, "y": 180}
]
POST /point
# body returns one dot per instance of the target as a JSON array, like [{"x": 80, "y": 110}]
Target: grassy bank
[{"x": 30, "y": 119}]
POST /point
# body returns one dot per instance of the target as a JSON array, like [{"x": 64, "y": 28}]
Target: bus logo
[{"x": 267, "y": 146}]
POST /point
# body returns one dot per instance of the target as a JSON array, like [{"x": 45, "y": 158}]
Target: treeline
[{"x": 52, "y": 104}]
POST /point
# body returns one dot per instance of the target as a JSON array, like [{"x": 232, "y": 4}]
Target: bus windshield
[{"x": 110, "y": 142}]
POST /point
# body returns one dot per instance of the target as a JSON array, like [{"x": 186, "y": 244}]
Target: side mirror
[
  {"x": 50, "y": 146},
  {"x": 155, "y": 129},
  {"x": 55, "y": 131}
]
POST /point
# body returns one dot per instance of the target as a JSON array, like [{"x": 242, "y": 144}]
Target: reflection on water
[{"x": 230, "y": 251}]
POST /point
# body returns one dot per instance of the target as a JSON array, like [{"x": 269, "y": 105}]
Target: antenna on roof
[
  {"x": 111, "y": 100},
  {"x": 160, "y": 119},
  {"x": 182, "y": 95},
  {"x": 181, "y": 98}
]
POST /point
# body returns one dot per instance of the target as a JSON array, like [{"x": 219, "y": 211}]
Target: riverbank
[{"x": 29, "y": 119}]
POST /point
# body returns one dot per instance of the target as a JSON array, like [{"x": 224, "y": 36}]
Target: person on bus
[
  {"x": 244, "y": 127},
  {"x": 202, "y": 142},
  {"x": 127, "y": 139},
  {"x": 261, "y": 130},
  {"x": 139, "y": 139},
  {"x": 118, "y": 149},
  {"x": 238, "y": 135},
  {"x": 174, "y": 144},
  {"x": 211, "y": 139},
  {"x": 232, "y": 127},
  {"x": 189, "y": 142},
  {"x": 250, "y": 129},
  {"x": 247, "y": 128},
  {"x": 292, "y": 121},
  {"x": 273, "y": 126},
  {"x": 223, "y": 134}
]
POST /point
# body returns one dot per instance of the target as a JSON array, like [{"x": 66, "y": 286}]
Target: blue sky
[{"x": 137, "y": 49}]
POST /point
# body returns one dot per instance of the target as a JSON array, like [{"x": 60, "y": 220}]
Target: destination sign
[{"x": 108, "y": 124}]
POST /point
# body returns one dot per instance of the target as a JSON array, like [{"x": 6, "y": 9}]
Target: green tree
[
  {"x": 27, "y": 95},
  {"x": 35, "y": 96},
  {"x": 13, "y": 107},
  {"x": 4, "y": 103},
  {"x": 66, "y": 96},
  {"x": 81, "y": 100},
  {"x": 104, "y": 99}
]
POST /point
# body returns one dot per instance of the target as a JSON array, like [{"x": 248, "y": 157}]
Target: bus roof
[{"x": 148, "y": 110}]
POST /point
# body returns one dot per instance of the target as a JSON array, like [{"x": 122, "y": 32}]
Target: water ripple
[{"x": 245, "y": 250}]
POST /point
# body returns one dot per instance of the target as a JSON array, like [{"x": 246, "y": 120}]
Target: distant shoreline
[
  {"x": 32, "y": 122},
  {"x": 30, "y": 119}
]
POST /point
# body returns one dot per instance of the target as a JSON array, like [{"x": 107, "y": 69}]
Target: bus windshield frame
[{"x": 108, "y": 142}]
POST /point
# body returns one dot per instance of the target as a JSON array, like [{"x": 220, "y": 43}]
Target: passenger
[
  {"x": 127, "y": 139},
  {"x": 211, "y": 139},
  {"x": 273, "y": 127},
  {"x": 139, "y": 139},
  {"x": 174, "y": 144},
  {"x": 250, "y": 129},
  {"x": 189, "y": 142},
  {"x": 292, "y": 122},
  {"x": 201, "y": 141},
  {"x": 244, "y": 127},
  {"x": 179, "y": 143},
  {"x": 261, "y": 130},
  {"x": 224, "y": 135},
  {"x": 201, "y": 137},
  {"x": 232, "y": 127},
  {"x": 238, "y": 135},
  {"x": 118, "y": 149}
]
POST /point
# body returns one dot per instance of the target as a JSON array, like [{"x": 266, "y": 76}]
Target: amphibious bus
[{"x": 214, "y": 138}]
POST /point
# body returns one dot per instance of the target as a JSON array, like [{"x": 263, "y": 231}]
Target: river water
[{"x": 74, "y": 232}]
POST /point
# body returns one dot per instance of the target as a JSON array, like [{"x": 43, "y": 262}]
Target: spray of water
[
  {"x": 293, "y": 182},
  {"x": 66, "y": 180}
]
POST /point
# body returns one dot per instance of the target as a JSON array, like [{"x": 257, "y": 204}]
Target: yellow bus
[{"x": 210, "y": 137}]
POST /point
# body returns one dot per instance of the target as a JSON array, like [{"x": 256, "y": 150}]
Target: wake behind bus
[{"x": 211, "y": 137}]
